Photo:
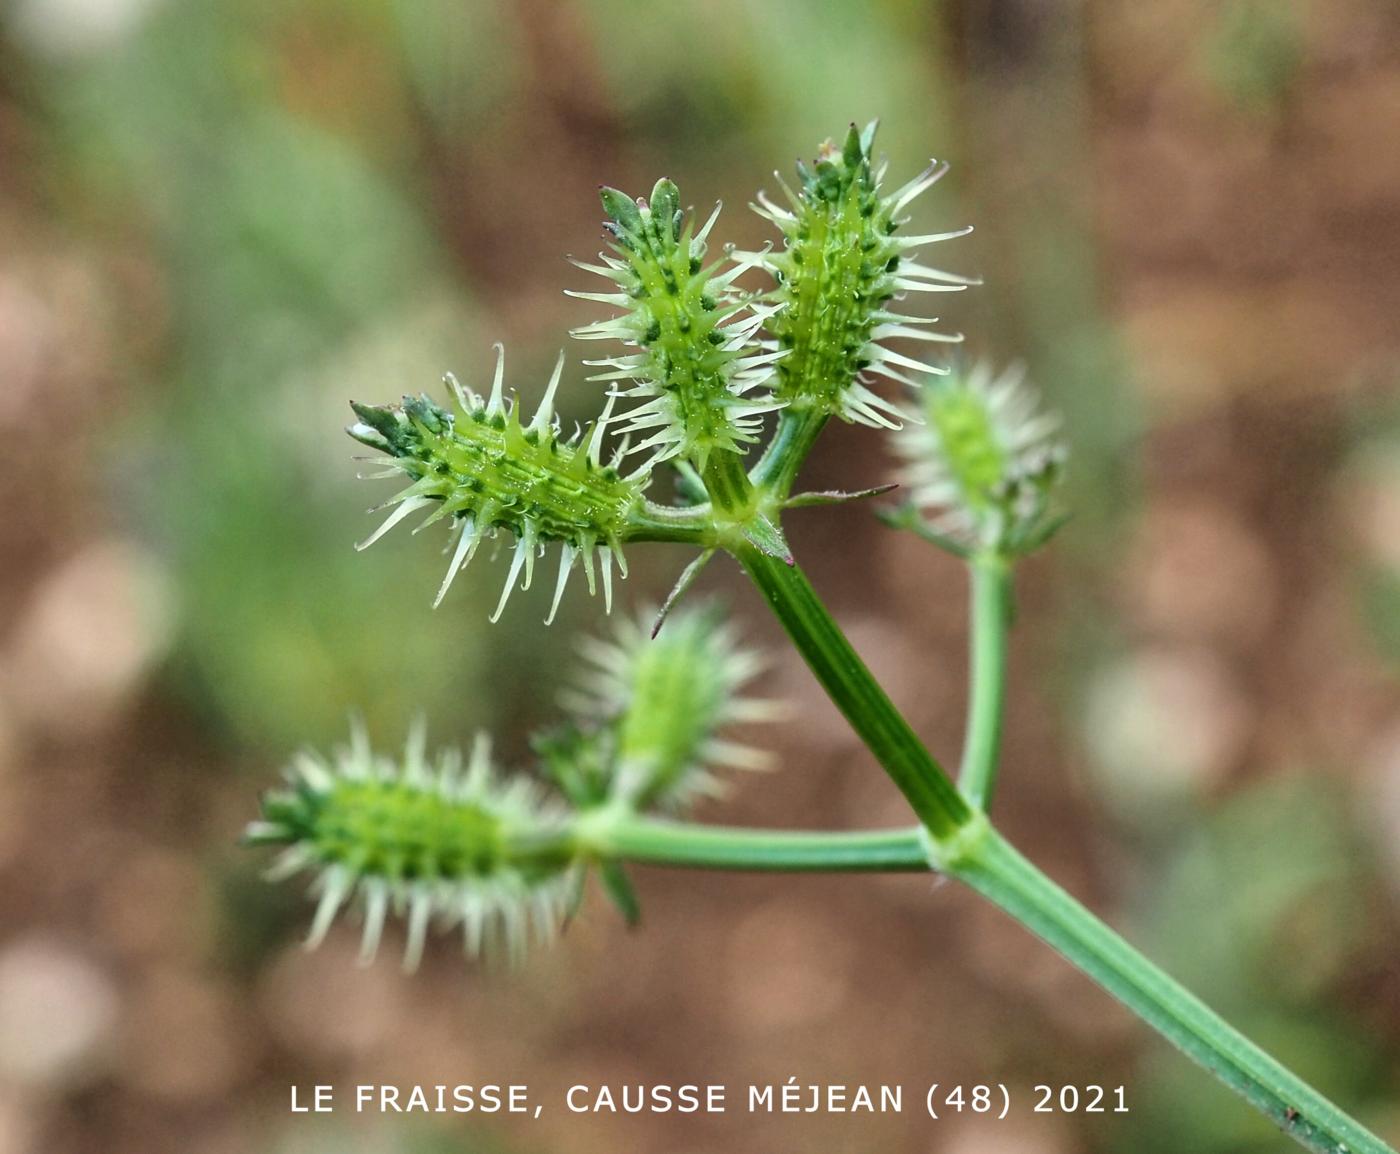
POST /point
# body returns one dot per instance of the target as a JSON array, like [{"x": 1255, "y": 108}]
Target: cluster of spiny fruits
[
  {"x": 716, "y": 351},
  {"x": 437, "y": 840}
]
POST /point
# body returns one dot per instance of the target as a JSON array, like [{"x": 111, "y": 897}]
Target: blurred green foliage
[
  {"x": 1253, "y": 49},
  {"x": 300, "y": 274},
  {"x": 1286, "y": 882}
]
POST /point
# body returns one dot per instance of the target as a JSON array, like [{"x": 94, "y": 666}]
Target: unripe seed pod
[
  {"x": 841, "y": 268},
  {"x": 487, "y": 472},
  {"x": 984, "y": 462},
  {"x": 698, "y": 370},
  {"x": 667, "y": 698},
  {"x": 431, "y": 842}
]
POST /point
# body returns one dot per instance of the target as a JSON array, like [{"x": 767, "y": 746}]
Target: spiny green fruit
[
  {"x": 984, "y": 460},
  {"x": 698, "y": 370},
  {"x": 841, "y": 267},
  {"x": 666, "y": 698},
  {"x": 428, "y": 841},
  {"x": 486, "y": 471}
]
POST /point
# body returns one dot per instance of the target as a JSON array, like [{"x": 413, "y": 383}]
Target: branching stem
[
  {"x": 998, "y": 872},
  {"x": 670, "y": 843},
  {"x": 963, "y": 844},
  {"x": 854, "y": 690}
]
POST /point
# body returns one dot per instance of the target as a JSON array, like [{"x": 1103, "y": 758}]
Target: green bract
[
  {"x": 698, "y": 369},
  {"x": 486, "y": 471},
  {"x": 666, "y": 698},
  {"x": 841, "y": 266},
  {"x": 984, "y": 461},
  {"x": 433, "y": 842}
]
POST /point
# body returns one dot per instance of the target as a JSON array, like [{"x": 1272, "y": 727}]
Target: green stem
[
  {"x": 717, "y": 847},
  {"x": 652, "y": 522},
  {"x": 851, "y": 686},
  {"x": 991, "y": 612},
  {"x": 792, "y": 441},
  {"x": 993, "y": 867},
  {"x": 728, "y": 484},
  {"x": 962, "y": 843}
]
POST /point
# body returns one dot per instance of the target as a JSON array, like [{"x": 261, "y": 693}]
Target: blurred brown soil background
[{"x": 218, "y": 225}]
